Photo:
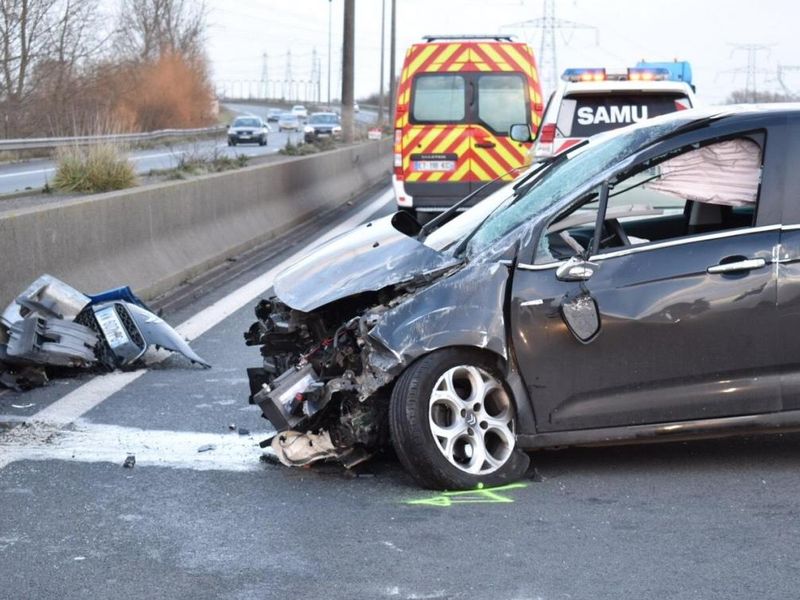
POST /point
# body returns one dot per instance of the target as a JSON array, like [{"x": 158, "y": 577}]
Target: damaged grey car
[{"x": 628, "y": 289}]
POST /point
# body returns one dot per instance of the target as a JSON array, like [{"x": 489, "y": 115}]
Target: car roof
[
  {"x": 317, "y": 114},
  {"x": 650, "y": 87}
]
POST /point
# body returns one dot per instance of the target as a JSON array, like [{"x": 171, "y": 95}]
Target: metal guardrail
[{"x": 118, "y": 138}]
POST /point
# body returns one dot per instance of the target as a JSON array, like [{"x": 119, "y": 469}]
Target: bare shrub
[{"x": 91, "y": 169}]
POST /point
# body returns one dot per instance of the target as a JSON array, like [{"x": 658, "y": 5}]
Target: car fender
[{"x": 463, "y": 309}]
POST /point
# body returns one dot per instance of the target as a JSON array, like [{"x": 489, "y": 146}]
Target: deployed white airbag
[{"x": 726, "y": 173}]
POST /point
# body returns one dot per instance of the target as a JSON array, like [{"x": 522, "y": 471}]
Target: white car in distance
[{"x": 300, "y": 111}]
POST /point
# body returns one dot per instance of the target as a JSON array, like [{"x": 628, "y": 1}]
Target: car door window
[{"x": 699, "y": 190}]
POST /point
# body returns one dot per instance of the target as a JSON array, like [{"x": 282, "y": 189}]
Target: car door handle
[
  {"x": 742, "y": 265},
  {"x": 484, "y": 144}
]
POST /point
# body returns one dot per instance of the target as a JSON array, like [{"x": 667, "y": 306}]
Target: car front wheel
[{"x": 452, "y": 421}]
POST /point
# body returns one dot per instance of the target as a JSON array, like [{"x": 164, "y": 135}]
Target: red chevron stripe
[
  {"x": 455, "y": 57},
  {"x": 485, "y": 58},
  {"x": 432, "y": 58},
  {"x": 512, "y": 148}
]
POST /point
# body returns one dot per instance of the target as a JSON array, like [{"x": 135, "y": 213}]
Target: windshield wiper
[
  {"x": 433, "y": 223},
  {"x": 540, "y": 166},
  {"x": 549, "y": 162}
]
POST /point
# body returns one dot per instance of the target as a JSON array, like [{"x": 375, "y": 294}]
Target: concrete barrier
[{"x": 153, "y": 237}]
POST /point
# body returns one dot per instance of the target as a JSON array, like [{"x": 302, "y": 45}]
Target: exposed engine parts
[{"x": 315, "y": 386}]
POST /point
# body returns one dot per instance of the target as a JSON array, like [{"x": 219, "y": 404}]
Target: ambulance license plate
[{"x": 434, "y": 165}]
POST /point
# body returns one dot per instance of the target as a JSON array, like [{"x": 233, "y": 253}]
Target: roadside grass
[
  {"x": 92, "y": 169},
  {"x": 304, "y": 149},
  {"x": 197, "y": 162}
]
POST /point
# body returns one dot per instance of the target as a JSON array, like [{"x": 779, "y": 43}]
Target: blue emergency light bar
[
  {"x": 643, "y": 71},
  {"x": 584, "y": 75},
  {"x": 647, "y": 74},
  {"x": 679, "y": 70}
]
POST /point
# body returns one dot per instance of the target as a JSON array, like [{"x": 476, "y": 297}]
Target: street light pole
[
  {"x": 392, "y": 78},
  {"x": 383, "y": 39},
  {"x": 330, "y": 12},
  {"x": 348, "y": 66}
]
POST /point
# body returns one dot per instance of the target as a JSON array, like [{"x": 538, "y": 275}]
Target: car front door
[{"x": 686, "y": 325}]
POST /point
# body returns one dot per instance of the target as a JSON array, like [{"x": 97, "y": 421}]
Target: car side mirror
[
  {"x": 521, "y": 132},
  {"x": 576, "y": 268}
]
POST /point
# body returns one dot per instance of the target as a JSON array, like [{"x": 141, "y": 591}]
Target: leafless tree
[
  {"x": 748, "y": 97},
  {"x": 24, "y": 30},
  {"x": 149, "y": 28}
]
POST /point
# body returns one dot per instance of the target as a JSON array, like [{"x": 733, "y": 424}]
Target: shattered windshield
[{"x": 560, "y": 179}]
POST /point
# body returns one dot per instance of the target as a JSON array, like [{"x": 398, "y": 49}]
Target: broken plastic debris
[
  {"x": 130, "y": 461},
  {"x": 296, "y": 449},
  {"x": 28, "y": 405},
  {"x": 51, "y": 324},
  {"x": 243, "y": 431},
  {"x": 206, "y": 447}
]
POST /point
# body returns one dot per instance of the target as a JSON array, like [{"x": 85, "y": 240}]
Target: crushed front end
[{"x": 318, "y": 386}]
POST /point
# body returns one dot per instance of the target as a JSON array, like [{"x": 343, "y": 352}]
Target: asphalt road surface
[
  {"x": 706, "y": 520},
  {"x": 35, "y": 174}
]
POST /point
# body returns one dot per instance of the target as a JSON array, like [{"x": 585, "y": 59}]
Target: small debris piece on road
[
  {"x": 206, "y": 447},
  {"x": 130, "y": 461},
  {"x": 243, "y": 431}
]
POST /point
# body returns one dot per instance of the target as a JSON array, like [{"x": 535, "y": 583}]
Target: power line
[
  {"x": 782, "y": 69},
  {"x": 750, "y": 70},
  {"x": 548, "y": 24}
]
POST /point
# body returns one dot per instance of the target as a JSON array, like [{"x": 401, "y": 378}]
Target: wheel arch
[{"x": 526, "y": 422}]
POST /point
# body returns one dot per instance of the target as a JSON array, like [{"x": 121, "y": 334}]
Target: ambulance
[
  {"x": 593, "y": 100},
  {"x": 456, "y": 101}
]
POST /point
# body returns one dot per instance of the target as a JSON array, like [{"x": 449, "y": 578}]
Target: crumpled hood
[{"x": 368, "y": 258}]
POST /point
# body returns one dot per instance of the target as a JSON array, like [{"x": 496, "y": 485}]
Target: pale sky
[{"x": 701, "y": 31}]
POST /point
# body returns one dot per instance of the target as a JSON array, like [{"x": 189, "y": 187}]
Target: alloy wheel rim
[{"x": 471, "y": 417}]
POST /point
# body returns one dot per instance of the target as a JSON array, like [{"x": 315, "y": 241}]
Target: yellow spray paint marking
[{"x": 480, "y": 495}]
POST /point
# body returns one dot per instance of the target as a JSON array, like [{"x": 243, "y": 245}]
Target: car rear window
[
  {"x": 246, "y": 123},
  {"x": 438, "y": 98},
  {"x": 587, "y": 115},
  {"x": 502, "y": 101}
]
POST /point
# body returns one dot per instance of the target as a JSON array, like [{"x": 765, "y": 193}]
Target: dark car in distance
[
  {"x": 322, "y": 125},
  {"x": 641, "y": 286}
]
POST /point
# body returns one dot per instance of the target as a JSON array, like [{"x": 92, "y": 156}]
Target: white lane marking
[
  {"x": 20, "y": 173},
  {"x": 159, "y": 155},
  {"x": 87, "y": 442},
  {"x": 197, "y": 325},
  {"x": 89, "y": 395},
  {"x": 51, "y": 169}
]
